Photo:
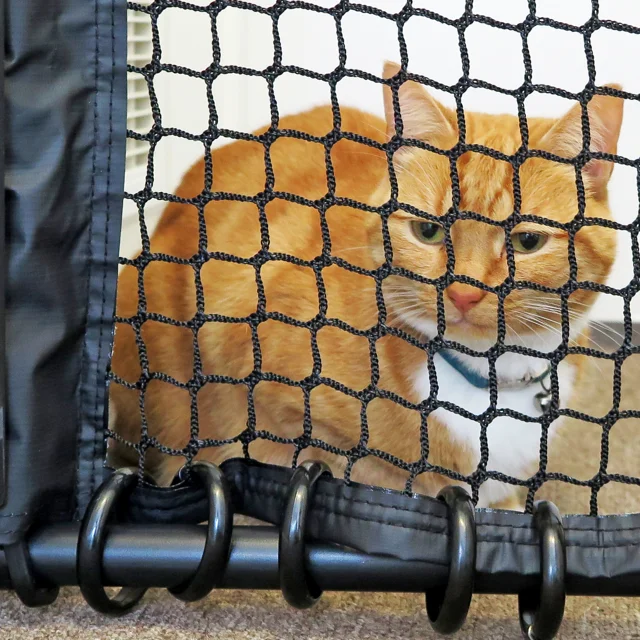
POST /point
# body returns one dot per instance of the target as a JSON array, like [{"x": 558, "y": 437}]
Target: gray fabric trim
[
  {"x": 64, "y": 131},
  {"x": 109, "y": 119}
]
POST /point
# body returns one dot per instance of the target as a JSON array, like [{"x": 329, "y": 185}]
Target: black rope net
[{"x": 385, "y": 325}]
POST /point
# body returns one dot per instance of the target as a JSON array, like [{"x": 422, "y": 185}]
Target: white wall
[{"x": 309, "y": 40}]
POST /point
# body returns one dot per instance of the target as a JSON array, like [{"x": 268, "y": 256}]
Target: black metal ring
[
  {"x": 447, "y": 608},
  {"x": 298, "y": 588},
  {"x": 541, "y": 611},
  {"x": 217, "y": 547},
  {"x": 23, "y": 581},
  {"x": 91, "y": 541}
]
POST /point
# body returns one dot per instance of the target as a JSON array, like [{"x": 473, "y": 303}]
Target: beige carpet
[{"x": 265, "y": 616}]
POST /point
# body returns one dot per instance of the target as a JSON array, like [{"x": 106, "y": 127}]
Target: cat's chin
[
  {"x": 467, "y": 333},
  {"x": 463, "y": 325},
  {"x": 471, "y": 335}
]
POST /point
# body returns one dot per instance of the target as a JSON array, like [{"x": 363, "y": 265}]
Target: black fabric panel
[
  {"x": 65, "y": 139},
  {"x": 602, "y": 552},
  {"x": 3, "y": 384}
]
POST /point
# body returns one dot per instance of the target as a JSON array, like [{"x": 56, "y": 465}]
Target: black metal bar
[
  {"x": 3, "y": 262},
  {"x": 167, "y": 555}
]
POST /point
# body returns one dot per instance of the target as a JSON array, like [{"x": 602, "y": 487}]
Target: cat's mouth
[
  {"x": 466, "y": 331},
  {"x": 458, "y": 320},
  {"x": 469, "y": 321},
  {"x": 463, "y": 323},
  {"x": 458, "y": 327}
]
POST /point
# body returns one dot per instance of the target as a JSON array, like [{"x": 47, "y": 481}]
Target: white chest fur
[{"x": 514, "y": 445}]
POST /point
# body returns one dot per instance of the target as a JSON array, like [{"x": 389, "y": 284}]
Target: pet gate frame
[{"x": 64, "y": 121}]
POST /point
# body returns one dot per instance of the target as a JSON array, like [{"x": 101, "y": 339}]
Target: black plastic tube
[{"x": 166, "y": 555}]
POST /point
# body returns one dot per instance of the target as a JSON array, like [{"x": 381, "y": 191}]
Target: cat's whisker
[
  {"x": 603, "y": 328},
  {"x": 513, "y": 330},
  {"x": 424, "y": 173},
  {"x": 528, "y": 323},
  {"x": 542, "y": 321},
  {"x": 541, "y": 305},
  {"x": 424, "y": 185},
  {"x": 378, "y": 129},
  {"x": 417, "y": 311},
  {"x": 529, "y": 319},
  {"x": 530, "y": 327},
  {"x": 408, "y": 307},
  {"x": 552, "y": 309},
  {"x": 596, "y": 343},
  {"x": 551, "y": 320},
  {"x": 411, "y": 309},
  {"x": 572, "y": 302},
  {"x": 336, "y": 253},
  {"x": 572, "y": 342},
  {"x": 397, "y": 168},
  {"x": 406, "y": 317},
  {"x": 573, "y": 315},
  {"x": 399, "y": 308},
  {"x": 405, "y": 295}
]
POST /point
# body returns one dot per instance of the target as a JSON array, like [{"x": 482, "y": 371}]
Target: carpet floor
[{"x": 246, "y": 615}]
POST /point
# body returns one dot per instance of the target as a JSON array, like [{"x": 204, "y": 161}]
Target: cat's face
[{"x": 541, "y": 252}]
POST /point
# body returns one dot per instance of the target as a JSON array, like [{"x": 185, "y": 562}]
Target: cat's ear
[
  {"x": 605, "y": 119},
  {"x": 423, "y": 117}
]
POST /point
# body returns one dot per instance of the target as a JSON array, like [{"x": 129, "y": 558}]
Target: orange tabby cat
[{"x": 486, "y": 186}]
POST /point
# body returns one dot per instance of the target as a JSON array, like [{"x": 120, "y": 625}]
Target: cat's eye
[
  {"x": 428, "y": 232},
  {"x": 528, "y": 242}
]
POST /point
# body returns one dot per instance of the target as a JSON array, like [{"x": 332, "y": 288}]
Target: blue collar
[{"x": 478, "y": 380}]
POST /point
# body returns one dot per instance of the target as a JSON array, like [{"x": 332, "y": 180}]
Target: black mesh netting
[{"x": 272, "y": 70}]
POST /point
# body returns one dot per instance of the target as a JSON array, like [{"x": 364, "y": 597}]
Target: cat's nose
[{"x": 464, "y": 296}]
